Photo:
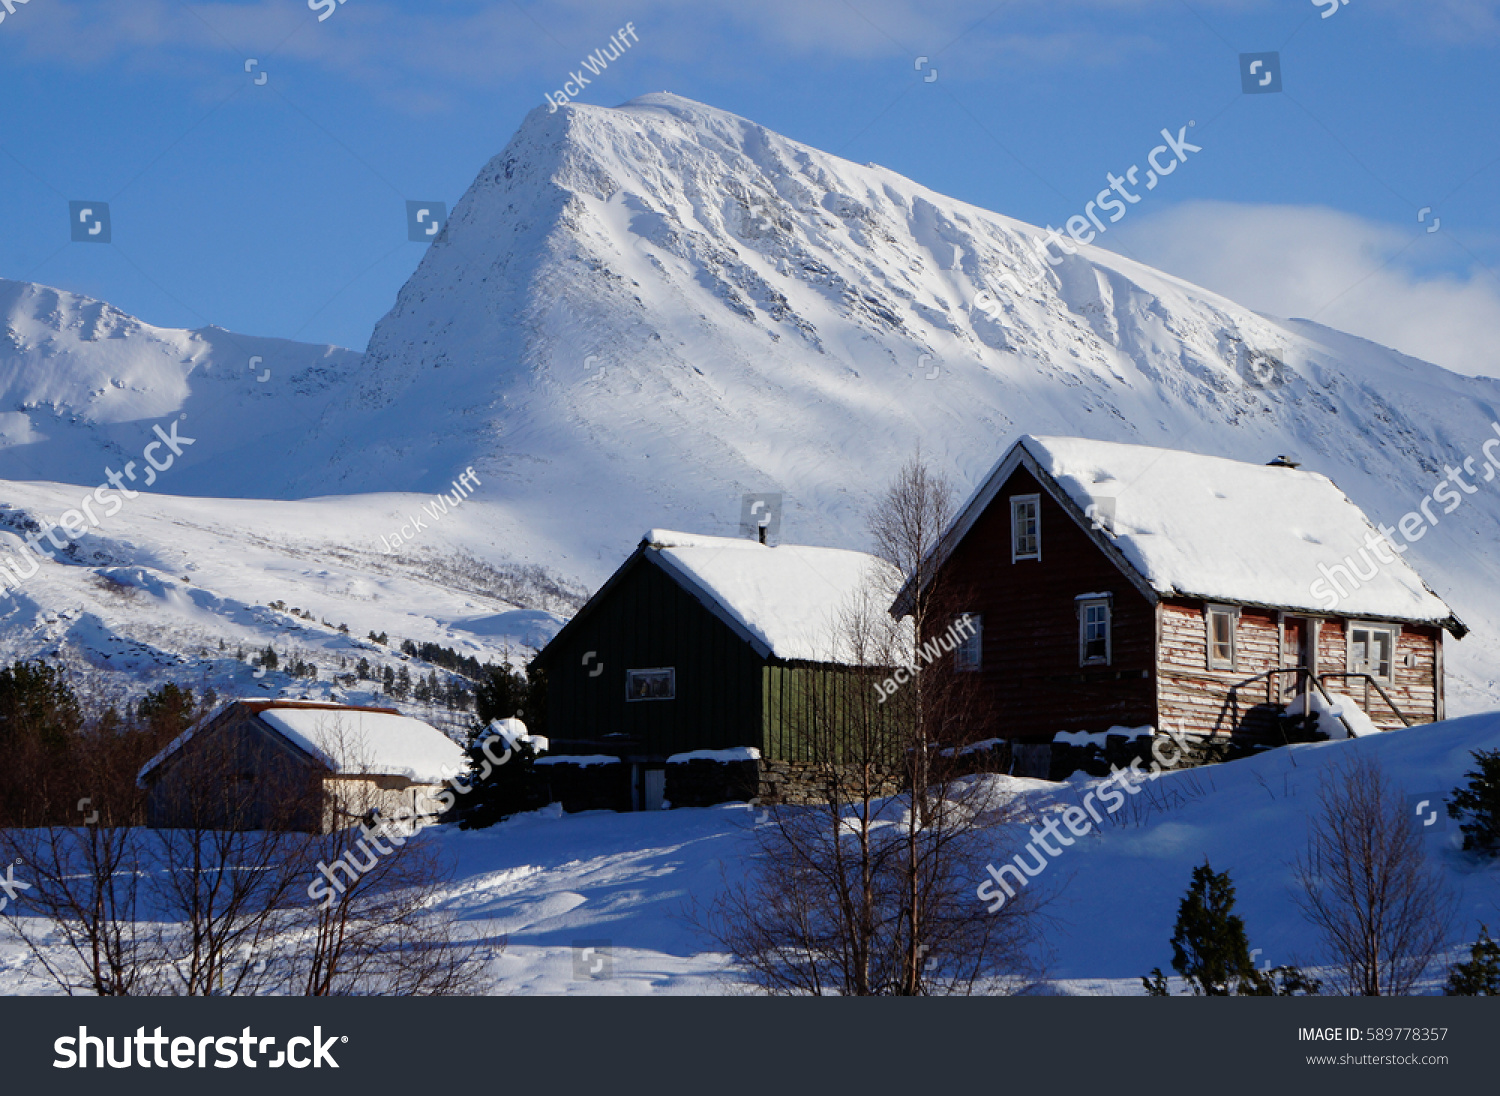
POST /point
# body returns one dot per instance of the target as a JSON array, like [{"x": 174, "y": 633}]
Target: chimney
[{"x": 1283, "y": 462}]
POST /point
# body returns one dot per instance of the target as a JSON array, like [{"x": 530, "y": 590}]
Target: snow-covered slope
[
  {"x": 83, "y": 382},
  {"x": 637, "y": 314},
  {"x": 172, "y": 589},
  {"x": 549, "y": 883}
]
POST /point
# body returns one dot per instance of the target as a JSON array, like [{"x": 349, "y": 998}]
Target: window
[
  {"x": 658, "y": 684},
  {"x": 1093, "y": 631},
  {"x": 1025, "y": 527},
  {"x": 1222, "y": 623},
  {"x": 968, "y": 629},
  {"x": 1372, "y": 650}
]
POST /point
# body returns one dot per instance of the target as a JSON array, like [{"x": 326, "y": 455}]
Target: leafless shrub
[
  {"x": 1382, "y": 911},
  {"x": 86, "y": 885},
  {"x": 222, "y": 902},
  {"x": 373, "y": 932}
]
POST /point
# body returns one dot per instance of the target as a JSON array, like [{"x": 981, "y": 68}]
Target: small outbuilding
[
  {"x": 698, "y": 645},
  {"x": 298, "y": 765}
]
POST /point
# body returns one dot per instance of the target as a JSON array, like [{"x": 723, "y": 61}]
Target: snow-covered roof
[
  {"x": 786, "y": 600},
  {"x": 1223, "y": 530},
  {"x": 352, "y": 740},
  {"x": 348, "y": 740}
]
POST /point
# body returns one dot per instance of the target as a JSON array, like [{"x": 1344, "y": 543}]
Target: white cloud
[{"x": 1371, "y": 280}]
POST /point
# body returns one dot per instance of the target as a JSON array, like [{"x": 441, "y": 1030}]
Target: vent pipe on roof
[{"x": 1283, "y": 462}]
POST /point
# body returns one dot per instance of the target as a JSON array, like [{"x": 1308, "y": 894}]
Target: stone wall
[{"x": 802, "y": 783}]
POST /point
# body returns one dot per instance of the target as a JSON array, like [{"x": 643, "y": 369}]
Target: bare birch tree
[{"x": 871, "y": 890}]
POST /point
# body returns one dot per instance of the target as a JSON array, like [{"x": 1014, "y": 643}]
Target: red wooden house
[{"x": 1122, "y": 586}]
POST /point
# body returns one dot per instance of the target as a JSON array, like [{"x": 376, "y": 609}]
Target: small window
[
  {"x": 660, "y": 684},
  {"x": 1223, "y": 621},
  {"x": 1025, "y": 527},
  {"x": 968, "y": 630},
  {"x": 1093, "y": 632},
  {"x": 1372, "y": 650}
]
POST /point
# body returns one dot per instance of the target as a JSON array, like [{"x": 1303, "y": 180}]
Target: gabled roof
[
  {"x": 1187, "y": 525},
  {"x": 784, "y": 601},
  {"x": 348, "y": 740}
]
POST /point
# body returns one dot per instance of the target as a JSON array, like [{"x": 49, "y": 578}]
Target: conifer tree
[
  {"x": 1209, "y": 946},
  {"x": 1478, "y": 804},
  {"x": 1480, "y": 976}
]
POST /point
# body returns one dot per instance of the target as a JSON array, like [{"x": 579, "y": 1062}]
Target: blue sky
[{"x": 278, "y": 208}]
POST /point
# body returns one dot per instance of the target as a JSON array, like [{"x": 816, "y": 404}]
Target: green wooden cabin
[{"x": 709, "y": 643}]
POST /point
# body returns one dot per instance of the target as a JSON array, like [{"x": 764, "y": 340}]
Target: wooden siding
[
  {"x": 1201, "y": 701},
  {"x": 645, "y": 621},
  {"x": 1417, "y": 687},
  {"x": 819, "y": 713},
  {"x": 1030, "y": 684},
  {"x": 236, "y": 774},
  {"x": 1243, "y": 703}
]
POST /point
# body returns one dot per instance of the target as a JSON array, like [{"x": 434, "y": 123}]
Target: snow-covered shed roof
[
  {"x": 1188, "y": 525},
  {"x": 786, "y": 599},
  {"x": 349, "y": 740}
]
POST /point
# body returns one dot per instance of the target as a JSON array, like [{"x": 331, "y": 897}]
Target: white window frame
[
  {"x": 670, "y": 671},
  {"x": 1016, "y": 502},
  {"x": 1084, "y": 605},
  {"x": 1233, "y": 613},
  {"x": 1391, "y": 630},
  {"x": 968, "y": 655}
]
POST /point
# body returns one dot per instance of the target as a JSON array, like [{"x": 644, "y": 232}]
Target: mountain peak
[{"x": 638, "y": 314}]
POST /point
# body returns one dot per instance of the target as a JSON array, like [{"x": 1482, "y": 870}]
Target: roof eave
[{"x": 1450, "y": 623}]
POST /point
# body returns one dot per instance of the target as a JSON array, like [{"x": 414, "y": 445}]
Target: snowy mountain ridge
[{"x": 637, "y": 314}]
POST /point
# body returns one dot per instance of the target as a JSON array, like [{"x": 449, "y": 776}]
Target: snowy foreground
[{"x": 552, "y": 883}]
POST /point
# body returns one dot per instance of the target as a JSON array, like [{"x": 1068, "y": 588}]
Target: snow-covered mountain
[
  {"x": 82, "y": 383},
  {"x": 190, "y": 590},
  {"x": 637, "y": 314}
]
